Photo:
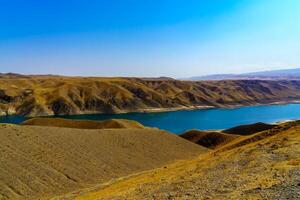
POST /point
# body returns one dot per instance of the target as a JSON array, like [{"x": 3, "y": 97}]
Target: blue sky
[{"x": 174, "y": 38}]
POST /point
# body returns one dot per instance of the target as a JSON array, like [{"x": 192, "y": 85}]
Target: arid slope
[
  {"x": 41, "y": 162},
  {"x": 249, "y": 129},
  {"x": 218, "y": 138},
  {"x": 57, "y": 95},
  {"x": 83, "y": 124},
  {"x": 209, "y": 139},
  {"x": 265, "y": 165}
]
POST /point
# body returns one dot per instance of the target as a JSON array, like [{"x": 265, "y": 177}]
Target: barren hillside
[
  {"x": 209, "y": 139},
  {"x": 83, "y": 124},
  {"x": 218, "y": 138},
  {"x": 249, "y": 128},
  {"x": 265, "y": 165},
  {"x": 55, "y": 95},
  {"x": 41, "y": 162}
]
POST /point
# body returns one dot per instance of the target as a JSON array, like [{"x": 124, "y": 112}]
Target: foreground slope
[
  {"x": 56, "y": 95},
  {"x": 41, "y": 162},
  {"x": 265, "y": 165}
]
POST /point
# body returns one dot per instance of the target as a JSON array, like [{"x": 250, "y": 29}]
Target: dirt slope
[
  {"x": 209, "y": 139},
  {"x": 57, "y": 95},
  {"x": 249, "y": 128},
  {"x": 214, "y": 139},
  {"x": 41, "y": 162},
  {"x": 265, "y": 165},
  {"x": 83, "y": 124}
]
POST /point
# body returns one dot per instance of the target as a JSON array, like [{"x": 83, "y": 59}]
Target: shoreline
[{"x": 160, "y": 110}]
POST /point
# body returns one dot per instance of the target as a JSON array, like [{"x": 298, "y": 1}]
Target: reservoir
[{"x": 180, "y": 121}]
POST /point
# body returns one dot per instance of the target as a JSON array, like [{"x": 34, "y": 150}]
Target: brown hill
[
  {"x": 83, "y": 124},
  {"x": 40, "y": 162},
  {"x": 58, "y": 95},
  {"x": 209, "y": 139},
  {"x": 213, "y": 139},
  {"x": 262, "y": 135},
  {"x": 265, "y": 165},
  {"x": 249, "y": 128}
]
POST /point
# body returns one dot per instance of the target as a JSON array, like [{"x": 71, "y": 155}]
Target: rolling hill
[
  {"x": 209, "y": 139},
  {"x": 38, "y": 162},
  {"x": 83, "y": 124},
  {"x": 57, "y": 95},
  {"x": 249, "y": 128},
  {"x": 218, "y": 138},
  {"x": 264, "y": 165}
]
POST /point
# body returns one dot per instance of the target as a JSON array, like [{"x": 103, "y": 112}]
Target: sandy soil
[
  {"x": 83, "y": 124},
  {"x": 42, "y": 162}
]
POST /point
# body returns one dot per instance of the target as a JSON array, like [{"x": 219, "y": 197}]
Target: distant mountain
[
  {"x": 11, "y": 75},
  {"x": 264, "y": 75}
]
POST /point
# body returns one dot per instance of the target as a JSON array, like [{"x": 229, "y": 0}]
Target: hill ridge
[
  {"x": 52, "y": 95},
  {"x": 264, "y": 168},
  {"x": 39, "y": 162},
  {"x": 83, "y": 124}
]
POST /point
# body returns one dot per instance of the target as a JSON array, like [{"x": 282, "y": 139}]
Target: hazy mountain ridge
[
  {"x": 284, "y": 74},
  {"x": 54, "y": 95}
]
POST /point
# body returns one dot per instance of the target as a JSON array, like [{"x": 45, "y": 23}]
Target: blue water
[{"x": 180, "y": 121}]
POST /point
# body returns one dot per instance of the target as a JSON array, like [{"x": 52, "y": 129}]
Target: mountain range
[
  {"x": 60, "y": 95},
  {"x": 261, "y": 75}
]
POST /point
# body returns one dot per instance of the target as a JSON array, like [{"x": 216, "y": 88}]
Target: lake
[{"x": 180, "y": 121}]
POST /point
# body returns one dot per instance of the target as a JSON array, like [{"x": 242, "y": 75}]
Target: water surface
[{"x": 180, "y": 121}]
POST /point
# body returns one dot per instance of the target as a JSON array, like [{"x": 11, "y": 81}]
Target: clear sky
[{"x": 177, "y": 38}]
